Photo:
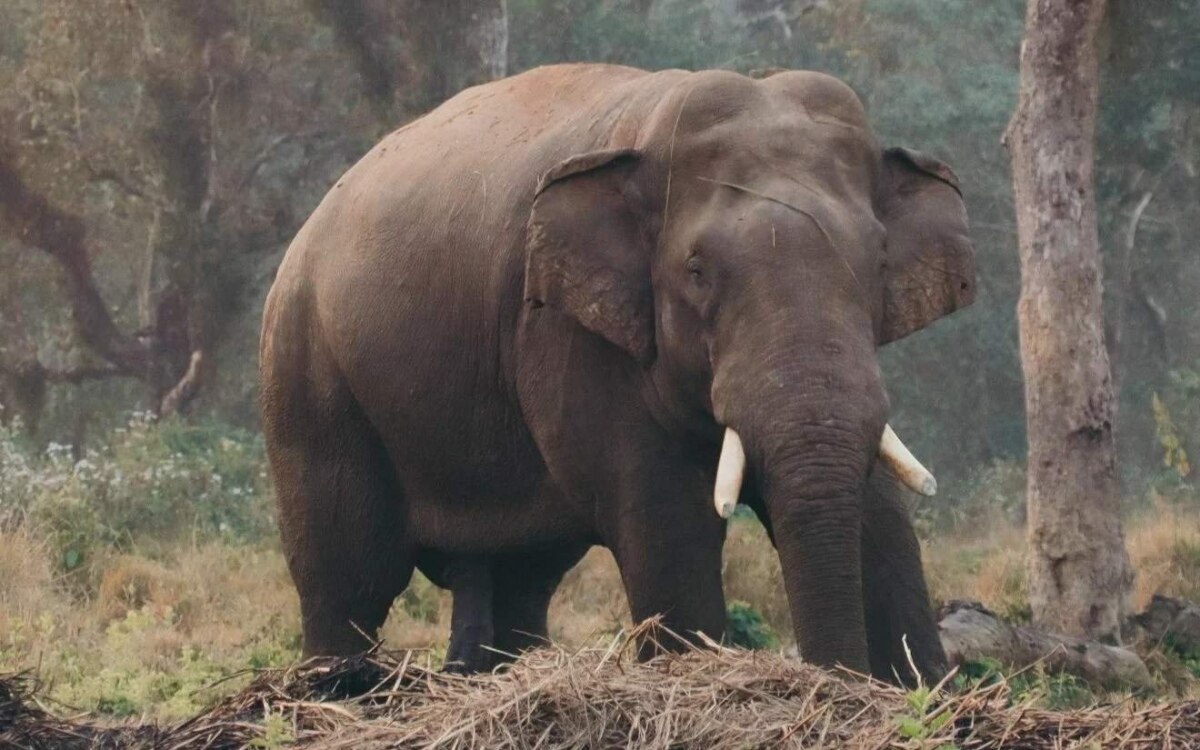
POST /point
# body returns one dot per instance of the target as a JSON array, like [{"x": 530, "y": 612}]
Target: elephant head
[{"x": 751, "y": 249}]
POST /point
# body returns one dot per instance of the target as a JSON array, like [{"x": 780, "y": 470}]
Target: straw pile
[{"x": 599, "y": 698}]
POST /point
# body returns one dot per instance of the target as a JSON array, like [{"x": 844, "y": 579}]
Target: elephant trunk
[
  {"x": 810, "y": 430},
  {"x": 813, "y": 494}
]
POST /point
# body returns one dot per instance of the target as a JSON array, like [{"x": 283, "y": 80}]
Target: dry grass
[
  {"x": 986, "y": 562},
  {"x": 599, "y": 697},
  {"x": 1164, "y": 548},
  {"x": 142, "y": 635},
  {"x": 987, "y": 568},
  {"x": 27, "y": 587}
]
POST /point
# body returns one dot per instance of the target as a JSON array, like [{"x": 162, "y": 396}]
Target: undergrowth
[{"x": 137, "y": 577}]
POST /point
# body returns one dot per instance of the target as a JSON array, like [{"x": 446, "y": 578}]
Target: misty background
[{"x": 157, "y": 157}]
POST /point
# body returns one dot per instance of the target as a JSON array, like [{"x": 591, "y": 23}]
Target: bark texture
[{"x": 1079, "y": 569}]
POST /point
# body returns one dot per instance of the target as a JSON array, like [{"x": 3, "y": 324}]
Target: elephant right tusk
[
  {"x": 730, "y": 469},
  {"x": 904, "y": 464}
]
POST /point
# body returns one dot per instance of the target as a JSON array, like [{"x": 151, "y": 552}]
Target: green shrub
[
  {"x": 1056, "y": 691},
  {"x": 154, "y": 481},
  {"x": 1189, "y": 658},
  {"x": 172, "y": 685},
  {"x": 421, "y": 600},
  {"x": 746, "y": 628}
]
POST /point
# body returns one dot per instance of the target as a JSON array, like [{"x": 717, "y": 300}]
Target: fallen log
[{"x": 970, "y": 632}]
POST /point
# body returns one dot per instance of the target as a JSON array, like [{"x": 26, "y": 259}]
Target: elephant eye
[{"x": 693, "y": 266}]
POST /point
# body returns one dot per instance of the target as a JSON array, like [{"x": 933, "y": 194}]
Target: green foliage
[
  {"x": 274, "y": 649},
  {"x": 1056, "y": 691},
  {"x": 1175, "y": 457},
  {"x": 175, "y": 684},
  {"x": 1188, "y": 658},
  {"x": 746, "y": 628},
  {"x": 924, "y": 718},
  {"x": 276, "y": 733},
  {"x": 1191, "y": 660},
  {"x": 678, "y": 34},
  {"x": 984, "y": 671},
  {"x": 154, "y": 482},
  {"x": 421, "y": 601}
]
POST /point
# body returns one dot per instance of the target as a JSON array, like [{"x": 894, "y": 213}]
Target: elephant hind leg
[
  {"x": 340, "y": 511},
  {"x": 525, "y": 584},
  {"x": 471, "y": 627},
  {"x": 500, "y": 602}
]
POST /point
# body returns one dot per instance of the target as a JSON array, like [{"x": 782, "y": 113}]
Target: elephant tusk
[
  {"x": 904, "y": 464},
  {"x": 730, "y": 468}
]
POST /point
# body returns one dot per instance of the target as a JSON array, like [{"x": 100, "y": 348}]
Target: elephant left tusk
[
  {"x": 730, "y": 468},
  {"x": 905, "y": 465}
]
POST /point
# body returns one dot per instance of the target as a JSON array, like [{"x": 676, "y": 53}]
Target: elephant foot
[{"x": 469, "y": 651}]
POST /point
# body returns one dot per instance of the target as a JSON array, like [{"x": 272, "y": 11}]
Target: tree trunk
[
  {"x": 1079, "y": 572},
  {"x": 36, "y": 222},
  {"x": 464, "y": 41}
]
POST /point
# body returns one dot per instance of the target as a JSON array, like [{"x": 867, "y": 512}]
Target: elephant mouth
[{"x": 731, "y": 468}]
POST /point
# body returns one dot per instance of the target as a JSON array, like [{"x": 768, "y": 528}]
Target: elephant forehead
[
  {"x": 821, "y": 97},
  {"x": 712, "y": 97},
  {"x": 821, "y": 162},
  {"x": 742, "y": 131}
]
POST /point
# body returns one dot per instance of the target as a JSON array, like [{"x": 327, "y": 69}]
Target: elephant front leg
[
  {"x": 471, "y": 626},
  {"x": 667, "y": 541},
  {"x": 898, "y": 610}
]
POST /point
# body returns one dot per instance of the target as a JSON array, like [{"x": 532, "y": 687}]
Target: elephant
[{"x": 595, "y": 305}]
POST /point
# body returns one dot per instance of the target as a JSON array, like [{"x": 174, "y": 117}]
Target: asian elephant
[{"x": 579, "y": 306}]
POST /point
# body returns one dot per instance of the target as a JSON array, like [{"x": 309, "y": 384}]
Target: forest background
[{"x": 157, "y": 157}]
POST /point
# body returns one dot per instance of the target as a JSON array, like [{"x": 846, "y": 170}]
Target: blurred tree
[
  {"x": 330, "y": 76},
  {"x": 161, "y": 154},
  {"x": 1148, "y": 175},
  {"x": 1080, "y": 574},
  {"x": 465, "y": 40},
  {"x": 413, "y": 54},
  {"x": 155, "y": 106}
]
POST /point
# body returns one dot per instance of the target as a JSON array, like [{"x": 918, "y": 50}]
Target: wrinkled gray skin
[{"x": 519, "y": 326}]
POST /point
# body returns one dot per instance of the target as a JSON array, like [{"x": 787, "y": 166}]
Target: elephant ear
[
  {"x": 587, "y": 252},
  {"x": 930, "y": 262}
]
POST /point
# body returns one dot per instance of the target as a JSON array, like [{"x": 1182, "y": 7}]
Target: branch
[
  {"x": 113, "y": 177},
  {"x": 261, "y": 158},
  {"x": 60, "y": 234},
  {"x": 364, "y": 39},
  {"x": 1135, "y": 219},
  {"x": 77, "y": 375},
  {"x": 185, "y": 390}
]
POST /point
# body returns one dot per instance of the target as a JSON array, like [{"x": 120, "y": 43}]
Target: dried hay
[{"x": 599, "y": 698}]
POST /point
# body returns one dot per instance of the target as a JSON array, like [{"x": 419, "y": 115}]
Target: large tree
[
  {"x": 160, "y": 153},
  {"x": 1079, "y": 570}
]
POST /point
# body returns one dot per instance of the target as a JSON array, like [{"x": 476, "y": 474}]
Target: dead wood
[{"x": 970, "y": 632}]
